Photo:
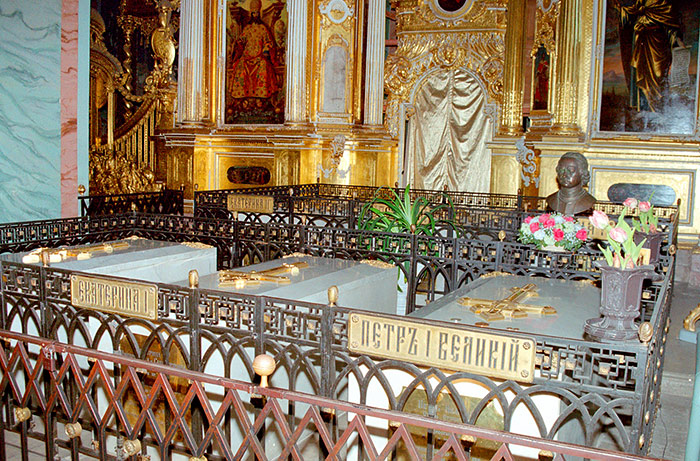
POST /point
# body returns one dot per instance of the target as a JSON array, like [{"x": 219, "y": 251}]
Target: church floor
[{"x": 671, "y": 428}]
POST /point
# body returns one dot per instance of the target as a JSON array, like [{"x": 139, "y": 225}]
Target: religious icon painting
[
  {"x": 256, "y": 36},
  {"x": 540, "y": 80},
  {"x": 650, "y": 67}
]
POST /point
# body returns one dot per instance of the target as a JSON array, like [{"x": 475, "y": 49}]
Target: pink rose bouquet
[
  {"x": 552, "y": 229},
  {"x": 647, "y": 222},
  {"x": 621, "y": 251}
]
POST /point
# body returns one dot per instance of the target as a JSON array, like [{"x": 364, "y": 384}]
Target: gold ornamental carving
[
  {"x": 546, "y": 16},
  {"x": 337, "y": 12},
  {"x": 418, "y": 54},
  {"x": 421, "y": 15}
]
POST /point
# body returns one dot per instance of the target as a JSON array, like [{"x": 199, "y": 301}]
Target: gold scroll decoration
[
  {"x": 417, "y": 403},
  {"x": 160, "y": 406},
  {"x": 494, "y": 355}
]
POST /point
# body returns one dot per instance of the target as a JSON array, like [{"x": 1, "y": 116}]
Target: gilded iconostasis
[{"x": 478, "y": 95}]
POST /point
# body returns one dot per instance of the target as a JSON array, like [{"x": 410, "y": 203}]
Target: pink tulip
[
  {"x": 528, "y": 219},
  {"x": 616, "y": 260},
  {"x": 630, "y": 202},
  {"x": 568, "y": 219},
  {"x": 534, "y": 226},
  {"x": 548, "y": 224},
  {"x": 558, "y": 235},
  {"x": 644, "y": 206},
  {"x": 582, "y": 234},
  {"x": 617, "y": 234},
  {"x": 543, "y": 218},
  {"x": 599, "y": 219}
]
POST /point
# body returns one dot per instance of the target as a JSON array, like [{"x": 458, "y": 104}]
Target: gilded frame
[
  {"x": 223, "y": 59},
  {"x": 604, "y": 64}
]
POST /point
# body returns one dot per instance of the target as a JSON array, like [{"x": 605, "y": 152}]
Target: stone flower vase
[
  {"x": 621, "y": 293},
  {"x": 654, "y": 241}
]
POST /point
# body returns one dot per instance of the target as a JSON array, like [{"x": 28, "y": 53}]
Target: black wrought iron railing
[
  {"x": 164, "y": 202},
  {"x": 477, "y": 214},
  {"x": 54, "y": 398},
  {"x": 602, "y": 387}
]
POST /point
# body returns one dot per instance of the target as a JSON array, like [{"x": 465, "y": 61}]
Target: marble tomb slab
[
  {"x": 142, "y": 259},
  {"x": 575, "y": 301},
  {"x": 360, "y": 285}
]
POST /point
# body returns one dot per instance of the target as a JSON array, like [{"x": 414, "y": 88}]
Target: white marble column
[
  {"x": 295, "y": 110},
  {"x": 191, "y": 54},
  {"x": 374, "y": 62}
]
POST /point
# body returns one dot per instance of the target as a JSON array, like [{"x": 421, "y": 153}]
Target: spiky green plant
[{"x": 401, "y": 215}]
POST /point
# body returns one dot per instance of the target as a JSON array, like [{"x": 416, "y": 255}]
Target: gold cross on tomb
[
  {"x": 240, "y": 279},
  {"x": 57, "y": 255},
  {"x": 508, "y": 307}
]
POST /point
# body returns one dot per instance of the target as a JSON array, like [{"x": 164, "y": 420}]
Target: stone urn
[
  {"x": 653, "y": 243},
  {"x": 620, "y": 297}
]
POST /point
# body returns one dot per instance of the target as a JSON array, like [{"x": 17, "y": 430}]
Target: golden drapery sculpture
[{"x": 448, "y": 134}]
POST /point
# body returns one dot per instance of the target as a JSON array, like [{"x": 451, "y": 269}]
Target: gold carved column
[
  {"x": 193, "y": 87},
  {"x": 511, "y": 114},
  {"x": 567, "y": 70}
]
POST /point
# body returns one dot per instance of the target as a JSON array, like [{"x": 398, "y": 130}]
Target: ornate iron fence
[
  {"x": 596, "y": 388},
  {"x": 478, "y": 214},
  {"x": 164, "y": 202},
  {"x": 56, "y": 390}
]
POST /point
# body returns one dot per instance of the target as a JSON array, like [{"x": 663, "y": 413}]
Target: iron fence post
[
  {"x": 290, "y": 206},
  {"x": 195, "y": 351},
  {"x": 259, "y": 325},
  {"x": 412, "y": 282}
]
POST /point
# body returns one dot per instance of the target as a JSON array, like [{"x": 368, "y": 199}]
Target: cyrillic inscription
[
  {"x": 499, "y": 356},
  {"x": 130, "y": 299}
]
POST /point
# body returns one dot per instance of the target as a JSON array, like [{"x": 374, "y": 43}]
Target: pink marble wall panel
[{"x": 69, "y": 108}]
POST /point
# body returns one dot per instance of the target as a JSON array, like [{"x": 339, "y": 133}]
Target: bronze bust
[{"x": 572, "y": 175}]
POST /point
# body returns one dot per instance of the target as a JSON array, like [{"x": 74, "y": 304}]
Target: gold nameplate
[
  {"x": 130, "y": 299},
  {"x": 251, "y": 203},
  {"x": 498, "y": 356}
]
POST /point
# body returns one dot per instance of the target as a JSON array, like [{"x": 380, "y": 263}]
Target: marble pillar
[
  {"x": 69, "y": 108},
  {"x": 30, "y": 110}
]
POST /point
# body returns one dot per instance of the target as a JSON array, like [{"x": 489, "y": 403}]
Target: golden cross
[
  {"x": 56, "y": 255},
  {"x": 508, "y": 307},
  {"x": 240, "y": 279}
]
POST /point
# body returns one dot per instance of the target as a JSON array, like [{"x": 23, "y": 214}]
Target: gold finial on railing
[
  {"x": 264, "y": 365},
  {"x": 194, "y": 278},
  {"x": 73, "y": 430},
  {"x": 22, "y": 414},
  {"x": 332, "y": 295},
  {"x": 501, "y": 235},
  {"x": 131, "y": 447},
  {"x": 646, "y": 331},
  {"x": 81, "y": 189}
]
